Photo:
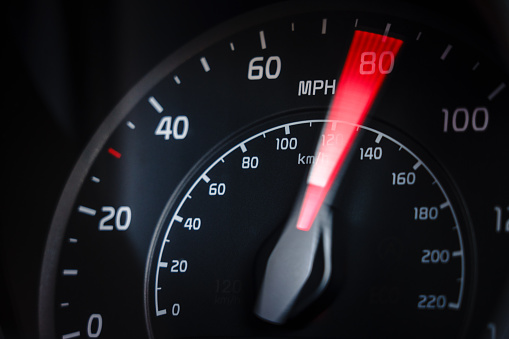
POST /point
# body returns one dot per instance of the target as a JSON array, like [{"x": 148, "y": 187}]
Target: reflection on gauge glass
[{"x": 173, "y": 217}]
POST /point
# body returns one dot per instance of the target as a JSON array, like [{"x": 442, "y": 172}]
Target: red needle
[{"x": 370, "y": 58}]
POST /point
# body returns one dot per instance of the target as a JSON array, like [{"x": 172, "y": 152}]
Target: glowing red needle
[
  {"x": 370, "y": 58},
  {"x": 291, "y": 280}
]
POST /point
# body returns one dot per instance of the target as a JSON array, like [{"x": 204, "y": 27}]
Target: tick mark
[
  {"x": 155, "y": 104},
  {"x": 114, "y": 152},
  {"x": 444, "y": 205},
  {"x": 446, "y": 52},
  {"x": 454, "y": 306},
  {"x": 176, "y": 79},
  {"x": 496, "y": 91},
  {"x": 70, "y": 272},
  {"x": 386, "y": 32},
  {"x": 205, "y": 64},
  {"x": 324, "y": 26},
  {"x": 87, "y": 210},
  {"x": 417, "y": 165},
  {"x": 262, "y": 40},
  {"x": 71, "y": 335}
]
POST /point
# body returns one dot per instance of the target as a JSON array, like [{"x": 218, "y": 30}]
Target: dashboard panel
[{"x": 438, "y": 118}]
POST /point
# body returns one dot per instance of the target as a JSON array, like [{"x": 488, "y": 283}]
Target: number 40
[{"x": 178, "y": 128}]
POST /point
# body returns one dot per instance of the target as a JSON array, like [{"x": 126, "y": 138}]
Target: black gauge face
[
  {"x": 175, "y": 219},
  {"x": 397, "y": 253}
]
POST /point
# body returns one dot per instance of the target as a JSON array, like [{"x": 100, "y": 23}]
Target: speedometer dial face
[
  {"x": 397, "y": 252},
  {"x": 179, "y": 219}
]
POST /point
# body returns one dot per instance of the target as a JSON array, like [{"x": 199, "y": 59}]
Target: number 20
[{"x": 122, "y": 218}]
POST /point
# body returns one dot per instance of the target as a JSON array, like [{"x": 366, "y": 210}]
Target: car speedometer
[{"x": 175, "y": 219}]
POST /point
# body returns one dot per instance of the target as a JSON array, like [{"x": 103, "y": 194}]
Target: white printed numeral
[
  {"x": 370, "y": 61},
  {"x": 178, "y": 129},
  {"x": 121, "y": 217},
  {"x": 462, "y": 119},
  {"x": 95, "y": 325},
  {"x": 272, "y": 68},
  {"x": 178, "y": 266}
]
